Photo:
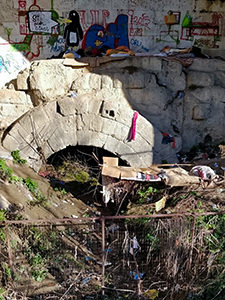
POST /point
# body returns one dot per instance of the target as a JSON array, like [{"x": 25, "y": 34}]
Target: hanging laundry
[
  {"x": 167, "y": 138},
  {"x": 132, "y": 132}
]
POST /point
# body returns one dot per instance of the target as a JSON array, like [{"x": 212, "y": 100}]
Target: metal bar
[
  {"x": 103, "y": 255},
  {"x": 71, "y": 221},
  {"x": 9, "y": 250}
]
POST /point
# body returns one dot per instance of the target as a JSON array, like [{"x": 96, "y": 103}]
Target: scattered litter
[
  {"x": 136, "y": 276},
  {"x": 108, "y": 250},
  {"x": 106, "y": 263},
  {"x": 204, "y": 172},
  {"x": 55, "y": 204},
  {"x": 180, "y": 95},
  {"x": 214, "y": 206},
  {"x": 167, "y": 138},
  {"x": 85, "y": 281},
  {"x": 88, "y": 258},
  {"x": 44, "y": 173},
  {"x": 112, "y": 228},
  {"x": 73, "y": 95},
  {"x": 151, "y": 294},
  {"x": 160, "y": 204},
  {"x": 74, "y": 216},
  {"x": 134, "y": 246}
]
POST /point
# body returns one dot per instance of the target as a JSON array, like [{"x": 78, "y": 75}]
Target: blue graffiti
[
  {"x": 58, "y": 46},
  {"x": 3, "y": 64},
  {"x": 114, "y": 35},
  {"x": 138, "y": 44},
  {"x": 135, "y": 43}
]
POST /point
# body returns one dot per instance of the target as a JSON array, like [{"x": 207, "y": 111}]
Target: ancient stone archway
[{"x": 88, "y": 121}]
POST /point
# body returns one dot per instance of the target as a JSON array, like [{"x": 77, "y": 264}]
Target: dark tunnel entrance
[{"x": 77, "y": 170}]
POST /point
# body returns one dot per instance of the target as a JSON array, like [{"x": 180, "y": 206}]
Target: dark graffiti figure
[{"x": 73, "y": 32}]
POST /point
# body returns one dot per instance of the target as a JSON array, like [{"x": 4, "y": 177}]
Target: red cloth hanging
[{"x": 133, "y": 127}]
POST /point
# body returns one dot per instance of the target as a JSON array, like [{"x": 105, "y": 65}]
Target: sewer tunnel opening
[{"x": 77, "y": 170}]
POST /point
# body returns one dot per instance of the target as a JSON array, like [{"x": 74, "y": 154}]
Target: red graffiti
[
  {"x": 97, "y": 17},
  {"x": 22, "y": 4},
  {"x": 142, "y": 21},
  {"x": 105, "y": 15},
  {"x": 94, "y": 16},
  {"x": 135, "y": 31},
  {"x": 203, "y": 28},
  {"x": 82, "y": 14}
]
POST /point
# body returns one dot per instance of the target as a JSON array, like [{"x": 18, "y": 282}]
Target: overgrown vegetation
[
  {"x": 33, "y": 188},
  {"x": 16, "y": 157},
  {"x": 6, "y": 173}
]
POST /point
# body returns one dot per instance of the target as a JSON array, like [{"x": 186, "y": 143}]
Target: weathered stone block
[
  {"x": 50, "y": 79},
  {"x": 220, "y": 78},
  {"x": 22, "y": 80},
  {"x": 107, "y": 82},
  {"x": 207, "y": 65},
  {"x": 199, "y": 79},
  {"x": 172, "y": 76},
  {"x": 117, "y": 81},
  {"x": 14, "y": 97},
  {"x": 108, "y": 126},
  {"x": 67, "y": 106},
  {"x": 90, "y": 138},
  {"x": 13, "y": 104},
  {"x": 202, "y": 94},
  {"x": 109, "y": 109},
  {"x": 200, "y": 112}
]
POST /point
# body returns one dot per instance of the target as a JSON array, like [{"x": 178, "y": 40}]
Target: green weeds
[
  {"x": 2, "y": 219},
  {"x": 33, "y": 188},
  {"x": 5, "y": 171},
  {"x": 16, "y": 157},
  {"x": 144, "y": 193}
]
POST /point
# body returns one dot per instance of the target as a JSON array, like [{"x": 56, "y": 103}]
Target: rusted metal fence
[{"x": 134, "y": 255}]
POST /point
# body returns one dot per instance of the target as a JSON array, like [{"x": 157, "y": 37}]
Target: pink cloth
[{"x": 133, "y": 127}]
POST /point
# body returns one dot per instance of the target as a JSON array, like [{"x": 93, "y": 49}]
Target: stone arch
[{"x": 85, "y": 120}]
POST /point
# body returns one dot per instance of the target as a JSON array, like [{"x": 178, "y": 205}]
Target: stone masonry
[{"x": 95, "y": 105}]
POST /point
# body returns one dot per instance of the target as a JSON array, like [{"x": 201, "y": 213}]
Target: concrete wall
[{"x": 35, "y": 27}]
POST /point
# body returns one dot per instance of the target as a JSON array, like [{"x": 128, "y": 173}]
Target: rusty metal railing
[{"x": 92, "y": 239}]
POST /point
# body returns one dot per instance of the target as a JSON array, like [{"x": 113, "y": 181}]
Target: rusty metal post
[
  {"x": 9, "y": 248},
  {"x": 103, "y": 255}
]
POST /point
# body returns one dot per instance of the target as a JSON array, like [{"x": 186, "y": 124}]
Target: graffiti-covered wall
[{"x": 40, "y": 28}]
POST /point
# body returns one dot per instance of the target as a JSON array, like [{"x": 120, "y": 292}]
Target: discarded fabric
[
  {"x": 133, "y": 127},
  {"x": 160, "y": 204},
  {"x": 136, "y": 276},
  {"x": 134, "y": 246},
  {"x": 204, "y": 172},
  {"x": 114, "y": 227},
  {"x": 85, "y": 281},
  {"x": 167, "y": 138},
  {"x": 88, "y": 258}
]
